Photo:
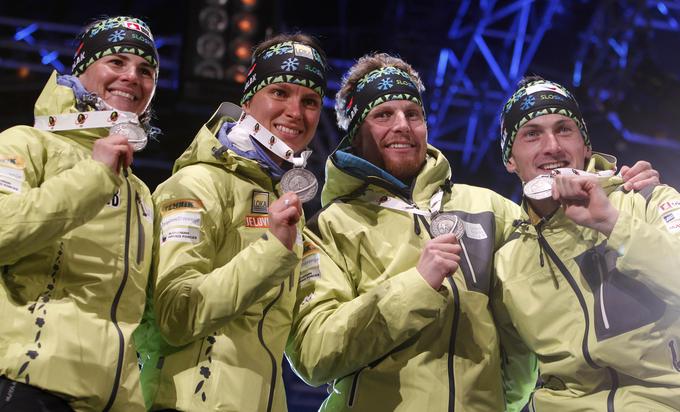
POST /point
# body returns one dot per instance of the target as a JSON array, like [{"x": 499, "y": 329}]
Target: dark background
[{"x": 619, "y": 57}]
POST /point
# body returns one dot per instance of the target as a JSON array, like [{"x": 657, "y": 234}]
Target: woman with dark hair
[{"x": 75, "y": 243}]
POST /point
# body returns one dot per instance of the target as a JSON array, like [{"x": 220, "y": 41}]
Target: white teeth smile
[
  {"x": 287, "y": 130},
  {"x": 399, "y": 146},
  {"x": 123, "y": 94},
  {"x": 551, "y": 166}
]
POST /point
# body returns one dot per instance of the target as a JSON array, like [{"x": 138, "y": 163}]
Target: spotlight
[
  {"x": 242, "y": 50},
  {"x": 237, "y": 74},
  {"x": 246, "y": 23}
]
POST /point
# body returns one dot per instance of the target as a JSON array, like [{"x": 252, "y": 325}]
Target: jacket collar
[
  {"x": 206, "y": 148},
  {"x": 345, "y": 176}
]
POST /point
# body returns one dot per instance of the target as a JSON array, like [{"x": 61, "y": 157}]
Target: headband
[
  {"x": 114, "y": 35},
  {"x": 534, "y": 99},
  {"x": 287, "y": 62},
  {"x": 377, "y": 87}
]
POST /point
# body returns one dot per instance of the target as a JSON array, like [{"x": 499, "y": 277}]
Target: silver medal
[
  {"x": 443, "y": 223},
  {"x": 539, "y": 187},
  {"x": 300, "y": 181},
  {"x": 135, "y": 134}
]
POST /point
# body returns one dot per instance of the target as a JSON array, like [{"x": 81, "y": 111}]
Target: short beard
[{"x": 404, "y": 170}]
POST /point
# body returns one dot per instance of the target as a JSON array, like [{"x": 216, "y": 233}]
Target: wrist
[{"x": 606, "y": 226}]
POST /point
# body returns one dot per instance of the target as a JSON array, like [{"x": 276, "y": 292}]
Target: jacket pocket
[{"x": 622, "y": 304}]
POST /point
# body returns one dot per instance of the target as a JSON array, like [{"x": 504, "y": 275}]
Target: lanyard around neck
[{"x": 271, "y": 142}]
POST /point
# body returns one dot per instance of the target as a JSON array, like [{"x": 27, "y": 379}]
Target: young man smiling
[
  {"x": 229, "y": 242},
  {"x": 588, "y": 278}
]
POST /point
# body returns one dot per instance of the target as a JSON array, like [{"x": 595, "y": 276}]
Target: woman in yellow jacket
[
  {"x": 75, "y": 239},
  {"x": 229, "y": 243}
]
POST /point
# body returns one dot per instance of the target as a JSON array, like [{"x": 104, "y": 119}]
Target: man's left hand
[{"x": 639, "y": 176}]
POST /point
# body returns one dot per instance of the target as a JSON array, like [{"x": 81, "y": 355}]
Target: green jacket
[
  {"x": 369, "y": 323},
  {"x": 602, "y": 314},
  {"x": 224, "y": 285},
  {"x": 75, "y": 247}
]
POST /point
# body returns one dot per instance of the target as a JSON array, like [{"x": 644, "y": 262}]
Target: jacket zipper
[
  {"x": 581, "y": 300},
  {"x": 353, "y": 390},
  {"x": 452, "y": 345},
  {"x": 116, "y": 299},
  {"x": 140, "y": 229},
  {"x": 260, "y": 336}
]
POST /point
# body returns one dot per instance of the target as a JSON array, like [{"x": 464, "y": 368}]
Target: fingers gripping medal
[
  {"x": 540, "y": 187},
  {"x": 134, "y": 133},
  {"x": 443, "y": 223},
  {"x": 298, "y": 180}
]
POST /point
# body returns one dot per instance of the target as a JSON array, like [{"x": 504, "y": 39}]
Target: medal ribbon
[
  {"x": 398, "y": 204},
  {"x": 84, "y": 120},
  {"x": 271, "y": 142},
  {"x": 435, "y": 207}
]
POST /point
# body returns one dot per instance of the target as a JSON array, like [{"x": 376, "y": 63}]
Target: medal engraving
[
  {"x": 539, "y": 187},
  {"x": 443, "y": 223},
  {"x": 135, "y": 134},
  {"x": 302, "y": 182}
]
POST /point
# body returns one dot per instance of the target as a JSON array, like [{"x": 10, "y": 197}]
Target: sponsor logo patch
[
  {"x": 181, "y": 234},
  {"x": 183, "y": 219},
  {"x": 669, "y": 217},
  {"x": 669, "y": 205},
  {"x": 474, "y": 231},
  {"x": 673, "y": 226},
  {"x": 11, "y": 173},
  {"x": 309, "y": 267},
  {"x": 176, "y": 205},
  {"x": 260, "y": 202},
  {"x": 303, "y": 50},
  {"x": 257, "y": 221}
]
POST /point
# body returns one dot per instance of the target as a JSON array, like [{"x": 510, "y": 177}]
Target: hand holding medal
[
  {"x": 284, "y": 214},
  {"x": 540, "y": 187}
]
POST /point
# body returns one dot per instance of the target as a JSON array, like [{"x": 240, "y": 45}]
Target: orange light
[
  {"x": 242, "y": 52},
  {"x": 246, "y": 23},
  {"x": 23, "y": 72},
  {"x": 240, "y": 78},
  {"x": 237, "y": 74},
  {"x": 249, "y": 3}
]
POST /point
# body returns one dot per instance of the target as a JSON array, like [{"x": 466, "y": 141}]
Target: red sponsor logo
[{"x": 257, "y": 221}]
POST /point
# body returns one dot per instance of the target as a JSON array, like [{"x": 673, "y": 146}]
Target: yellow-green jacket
[
  {"x": 602, "y": 314},
  {"x": 224, "y": 285},
  {"x": 368, "y": 322},
  {"x": 75, "y": 247}
]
